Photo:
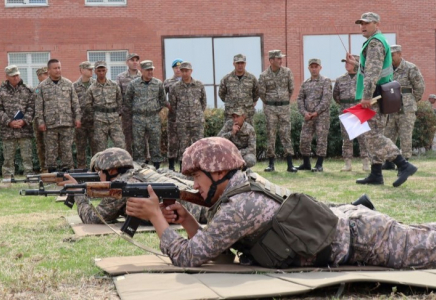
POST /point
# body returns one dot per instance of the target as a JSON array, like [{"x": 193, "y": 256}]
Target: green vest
[{"x": 386, "y": 74}]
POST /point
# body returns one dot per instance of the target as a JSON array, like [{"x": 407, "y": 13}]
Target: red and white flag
[{"x": 355, "y": 120}]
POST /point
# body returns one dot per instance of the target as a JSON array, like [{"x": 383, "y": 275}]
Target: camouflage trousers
[
  {"x": 320, "y": 127},
  {"x": 379, "y": 240},
  {"x": 249, "y": 114},
  {"x": 278, "y": 116},
  {"x": 380, "y": 148},
  {"x": 58, "y": 142},
  {"x": 126, "y": 120},
  {"x": 250, "y": 160},
  {"x": 143, "y": 125},
  {"x": 173, "y": 140},
  {"x": 84, "y": 136},
  {"x": 188, "y": 133},
  {"x": 102, "y": 132},
  {"x": 40, "y": 146},
  {"x": 401, "y": 125},
  {"x": 9, "y": 149},
  {"x": 347, "y": 144}
]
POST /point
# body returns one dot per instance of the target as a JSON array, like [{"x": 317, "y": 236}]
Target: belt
[
  {"x": 105, "y": 110},
  {"x": 348, "y": 101},
  {"x": 274, "y": 103},
  {"x": 406, "y": 90}
]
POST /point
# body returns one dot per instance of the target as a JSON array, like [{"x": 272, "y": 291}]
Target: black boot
[
  {"x": 306, "y": 164},
  {"x": 318, "y": 165},
  {"x": 405, "y": 169},
  {"x": 365, "y": 201},
  {"x": 291, "y": 167},
  {"x": 180, "y": 166},
  {"x": 270, "y": 167},
  {"x": 171, "y": 164},
  {"x": 375, "y": 177},
  {"x": 156, "y": 165},
  {"x": 388, "y": 165}
]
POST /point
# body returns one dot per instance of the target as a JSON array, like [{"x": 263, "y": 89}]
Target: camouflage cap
[
  {"x": 368, "y": 18},
  {"x": 356, "y": 57},
  {"x": 113, "y": 158},
  {"x": 314, "y": 61},
  {"x": 12, "y": 70},
  {"x": 275, "y": 53},
  {"x": 185, "y": 65},
  {"x": 146, "y": 64},
  {"x": 432, "y": 96},
  {"x": 239, "y": 58},
  {"x": 176, "y": 62},
  {"x": 86, "y": 65},
  {"x": 99, "y": 64},
  {"x": 132, "y": 55},
  {"x": 211, "y": 154},
  {"x": 237, "y": 111},
  {"x": 41, "y": 71},
  {"x": 395, "y": 48}
]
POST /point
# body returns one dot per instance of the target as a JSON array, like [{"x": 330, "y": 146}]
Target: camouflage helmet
[
  {"x": 212, "y": 154},
  {"x": 93, "y": 165},
  {"x": 113, "y": 158}
]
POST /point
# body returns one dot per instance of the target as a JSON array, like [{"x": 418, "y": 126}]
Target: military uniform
[
  {"x": 39, "y": 135},
  {"x": 239, "y": 92},
  {"x": 400, "y": 124},
  {"x": 173, "y": 141},
  {"x": 244, "y": 140},
  {"x": 103, "y": 104},
  {"x": 85, "y": 134},
  {"x": 21, "y": 98},
  {"x": 188, "y": 100},
  {"x": 145, "y": 100},
  {"x": 57, "y": 107}
]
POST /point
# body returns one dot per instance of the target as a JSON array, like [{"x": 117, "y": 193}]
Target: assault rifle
[
  {"x": 57, "y": 177},
  {"x": 166, "y": 192}
]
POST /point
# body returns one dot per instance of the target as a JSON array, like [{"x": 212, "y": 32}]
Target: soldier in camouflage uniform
[
  {"x": 188, "y": 100},
  {"x": 276, "y": 85},
  {"x": 238, "y": 218},
  {"x": 432, "y": 100},
  {"x": 343, "y": 93},
  {"x": 400, "y": 124},
  {"x": 242, "y": 134},
  {"x": 375, "y": 68},
  {"x": 173, "y": 141},
  {"x": 314, "y": 105},
  {"x": 42, "y": 74},
  {"x": 85, "y": 134},
  {"x": 239, "y": 88},
  {"x": 104, "y": 104},
  {"x": 145, "y": 97},
  {"x": 57, "y": 110},
  {"x": 16, "y": 131},
  {"x": 123, "y": 79}
]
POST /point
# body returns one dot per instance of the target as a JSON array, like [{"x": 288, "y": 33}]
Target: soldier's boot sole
[{"x": 371, "y": 179}]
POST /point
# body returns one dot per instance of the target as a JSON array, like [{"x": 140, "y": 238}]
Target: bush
[{"x": 425, "y": 126}]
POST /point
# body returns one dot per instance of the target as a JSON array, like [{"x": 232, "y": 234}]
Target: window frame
[
  {"x": 29, "y": 66},
  {"x": 105, "y": 3},
  {"x": 108, "y": 62},
  {"x": 24, "y": 4}
]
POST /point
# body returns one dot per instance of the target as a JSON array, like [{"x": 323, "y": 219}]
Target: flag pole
[{"x": 374, "y": 100}]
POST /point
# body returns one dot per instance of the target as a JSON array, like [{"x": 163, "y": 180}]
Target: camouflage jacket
[
  {"x": 239, "y": 92},
  {"x": 124, "y": 78},
  {"x": 57, "y": 105},
  {"x": 168, "y": 83},
  {"x": 87, "y": 119},
  {"x": 244, "y": 139},
  {"x": 315, "y": 95},
  {"x": 103, "y": 101},
  {"x": 345, "y": 89},
  {"x": 13, "y": 100},
  {"x": 375, "y": 55},
  {"x": 147, "y": 99},
  {"x": 188, "y": 101},
  {"x": 276, "y": 87},
  {"x": 409, "y": 76}
]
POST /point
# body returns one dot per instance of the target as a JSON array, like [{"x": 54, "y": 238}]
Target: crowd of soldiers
[{"x": 127, "y": 111}]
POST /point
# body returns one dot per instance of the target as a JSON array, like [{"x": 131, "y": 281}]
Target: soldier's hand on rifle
[
  {"x": 174, "y": 213},
  {"x": 70, "y": 180},
  {"x": 144, "y": 208}
]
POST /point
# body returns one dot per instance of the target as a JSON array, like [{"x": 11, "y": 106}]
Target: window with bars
[
  {"x": 28, "y": 63},
  {"x": 106, "y": 2},
  {"x": 115, "y": 60},
  {"x": 13, "y": 3}
]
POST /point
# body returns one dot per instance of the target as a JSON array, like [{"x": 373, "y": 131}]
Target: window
[
  {"x": 28, "y": 63},
  {"x": 25, "y": 3},
  {"x": 106, "y": 2},
  {"x": 115, "y": 60},
  {"x": 330, "y": 50},
  {"x": 212, "y": 58}
]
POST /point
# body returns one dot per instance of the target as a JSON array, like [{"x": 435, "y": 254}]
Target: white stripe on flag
[{"x": 353, "y": 126}]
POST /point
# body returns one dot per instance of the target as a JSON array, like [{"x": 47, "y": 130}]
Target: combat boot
[
  {"x": 388, "y": 165},
  {"x": 270, "y": 167},
  {"x": 365, "y": 201},
  {"x": 347, "y": 167},
  {"x": 375, "y": 177},
  {"x": 405, "y": 170},
  {"x": 180, "y": 166},
  {"x": 156, "y": 165},
  {"x": 171, "y": 164},
  {"x": 306, "y": 164},
  {"x": 318, "y": 165},
  {"x": 365, "y": 164},
  {"x": 291, "y": 167}
]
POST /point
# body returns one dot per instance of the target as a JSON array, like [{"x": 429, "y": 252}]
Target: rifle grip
[{"x": 168, "y": 202}]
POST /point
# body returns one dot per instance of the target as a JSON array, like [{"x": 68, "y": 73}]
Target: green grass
[{"x": 40, "y": 258}]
